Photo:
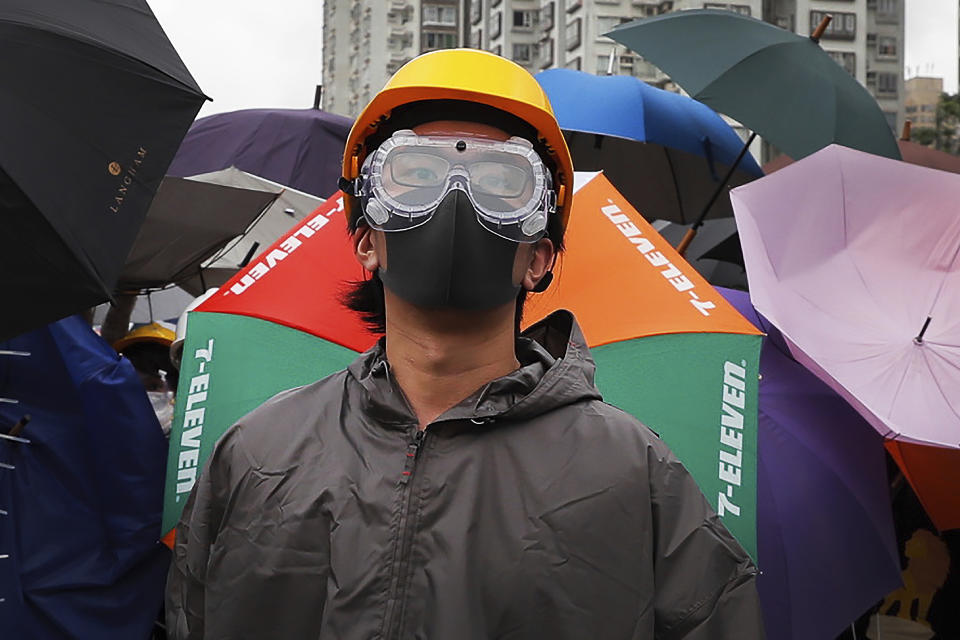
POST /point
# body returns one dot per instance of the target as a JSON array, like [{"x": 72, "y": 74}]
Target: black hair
[{"x": 366, "y": 296}]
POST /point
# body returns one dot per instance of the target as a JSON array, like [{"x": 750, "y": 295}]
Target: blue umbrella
[
  {"x": 668, "y": 154},
  {"x": 825, "y": 536},
  {"x": 81, "y": 490}
]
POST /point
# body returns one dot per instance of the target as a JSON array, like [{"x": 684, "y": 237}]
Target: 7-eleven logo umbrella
[{"x": 670, "y": 349}]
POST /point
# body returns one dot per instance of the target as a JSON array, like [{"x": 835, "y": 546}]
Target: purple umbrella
[
  {"x": 299, "y": 148},
  {"x": 825, "y": 534}
]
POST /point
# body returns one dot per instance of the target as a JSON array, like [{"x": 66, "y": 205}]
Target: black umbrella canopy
[
  {"x": 781, "y": 85},
  {"x": 715, "y": 252},
  {"x": 94, "y": 101},
  {"x": 659, "y": 181},
  {"x": 188, "y": 223}
]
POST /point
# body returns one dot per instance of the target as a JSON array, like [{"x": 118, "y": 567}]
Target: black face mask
[{"x": 451, "y": 261}]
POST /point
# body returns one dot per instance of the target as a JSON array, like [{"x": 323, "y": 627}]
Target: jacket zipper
[{"x": 394, "y": 617}]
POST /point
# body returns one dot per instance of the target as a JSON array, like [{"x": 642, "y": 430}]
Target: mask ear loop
[{"x": 544, "y": 282}]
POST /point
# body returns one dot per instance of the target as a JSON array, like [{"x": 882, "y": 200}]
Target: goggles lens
[{"x": 403, "y": 182}]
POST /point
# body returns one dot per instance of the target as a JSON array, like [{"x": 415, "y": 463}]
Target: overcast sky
[
  {"x": 931, "y": 40},
  {"x": 248, "y": 53},
  {"x": 267, "y": 53}
]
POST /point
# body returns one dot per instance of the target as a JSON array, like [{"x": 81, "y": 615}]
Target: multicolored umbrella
[
  {"x": 670, "y": 350},
  {"x": 856, "y": 259},
  {"x": 278, "y": 323}
]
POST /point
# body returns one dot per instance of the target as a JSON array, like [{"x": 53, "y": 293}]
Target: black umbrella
[
  {"x": 715, "y": 252},
  {"x": 94, "y": 101}
]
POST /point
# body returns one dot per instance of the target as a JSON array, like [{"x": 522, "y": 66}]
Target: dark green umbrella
[{"x": 781, "y": 85}]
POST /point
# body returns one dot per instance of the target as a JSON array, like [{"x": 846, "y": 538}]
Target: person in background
[{"x": 148, "y": 348}]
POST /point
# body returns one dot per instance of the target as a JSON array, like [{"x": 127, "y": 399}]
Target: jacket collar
[{"x": 556, "y": 370}]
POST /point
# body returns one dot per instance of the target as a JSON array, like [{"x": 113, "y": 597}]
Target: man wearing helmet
[{"x": 458, "y": 480}]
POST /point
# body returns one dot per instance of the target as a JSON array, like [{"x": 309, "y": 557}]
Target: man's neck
[{"x": 440, "y": 357}]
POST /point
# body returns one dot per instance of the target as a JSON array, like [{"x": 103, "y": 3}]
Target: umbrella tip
[
  {"x": 318, "y": 96},
  {"x": 818, "y": 32}
]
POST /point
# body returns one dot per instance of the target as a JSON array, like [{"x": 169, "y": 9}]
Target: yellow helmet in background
[
  {"x": 467, "y": 75},
  {"x": 154, "y": 332}
]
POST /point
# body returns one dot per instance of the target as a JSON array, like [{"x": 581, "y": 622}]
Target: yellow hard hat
[
  {"x": 468, "y": 75},
  {"x": 154, "y": 332}
]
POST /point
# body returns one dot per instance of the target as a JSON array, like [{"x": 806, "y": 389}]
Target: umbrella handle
[
  {"x": 818, "y": 32},
  {"x": 687, "y": 239}
]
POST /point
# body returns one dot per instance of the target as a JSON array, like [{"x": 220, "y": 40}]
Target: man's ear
[
  {"x": 367, "y": 247},
  {"x": 541, "y": 262}
]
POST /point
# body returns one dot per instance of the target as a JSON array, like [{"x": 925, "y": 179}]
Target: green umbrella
[{"x": 781, "y": 85}]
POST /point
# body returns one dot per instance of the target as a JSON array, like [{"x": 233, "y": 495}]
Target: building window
[
  {"x": 842, "y": 27},
  {"x": 525, "y": 19},
  {"x": 886, "y": 47},
  {"x": 546, "y": 50},
  {"x": 887, "y": 8},
  {"x": 742, "y": 9},
  {"x": 886, "y": 84},
  {"x": 546, "y": 16},
  {"x": 846, "y": 59},
  {"x": 574, "y": 33},
  {"x": 784, "y": 22},
  {"x": 524, "y": 52},
  {"x": 603, "y": 64},
  {"x": 496, "y": 24},
  {"x": 438, "y": 40},
  {"x": 442, "y": 15},
  {"x": 573, "y": 63},
  {"x": 476, "y": 11}
]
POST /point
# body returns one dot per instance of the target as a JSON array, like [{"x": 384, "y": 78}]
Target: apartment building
[
  {"x": 921, "y": 100},
  {"x": 540, "y": 34},
  {"x": 366, "y": 41}
]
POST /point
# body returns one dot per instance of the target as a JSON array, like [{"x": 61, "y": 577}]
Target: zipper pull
[{"x": 413, "y": 452}]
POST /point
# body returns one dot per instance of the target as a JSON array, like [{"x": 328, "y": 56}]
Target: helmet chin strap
[{"x": 545, "y": 281}]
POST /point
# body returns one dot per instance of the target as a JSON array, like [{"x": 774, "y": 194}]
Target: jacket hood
[{"x": 556, "y": 369}]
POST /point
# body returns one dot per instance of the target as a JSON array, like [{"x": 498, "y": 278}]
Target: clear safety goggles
[{"x": 402, "y": 183}]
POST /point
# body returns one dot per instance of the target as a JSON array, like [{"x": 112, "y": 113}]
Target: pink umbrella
[{"x": 854, "y": 257}]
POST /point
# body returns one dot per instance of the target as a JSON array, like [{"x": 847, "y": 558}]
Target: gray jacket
[{"x": 530, "y": 510}]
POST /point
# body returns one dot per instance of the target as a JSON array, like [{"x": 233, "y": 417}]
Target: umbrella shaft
[
  {"x": 726, "y": 179},
  {"x": 919, "y": 337}
]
